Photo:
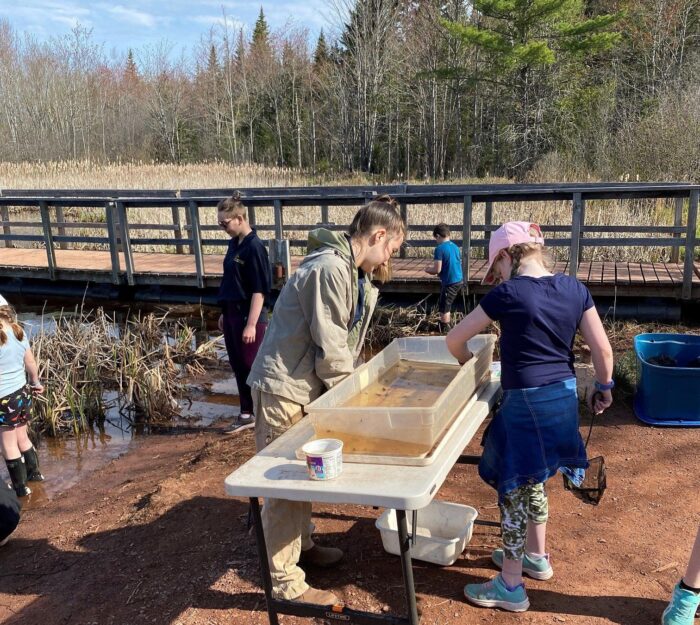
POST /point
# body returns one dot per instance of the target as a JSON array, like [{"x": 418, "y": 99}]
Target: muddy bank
[{"x": 150, "y": 537}]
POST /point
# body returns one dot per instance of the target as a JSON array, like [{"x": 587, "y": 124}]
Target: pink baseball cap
[{"x": 509, "y": 234}]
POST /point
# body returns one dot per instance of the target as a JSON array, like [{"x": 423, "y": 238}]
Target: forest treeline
[{"x": 547, "y": 89}]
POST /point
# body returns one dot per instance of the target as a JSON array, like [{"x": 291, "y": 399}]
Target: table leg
[
  {"x": 407, "y": 567},
  {"x": 264, "y": 564}
]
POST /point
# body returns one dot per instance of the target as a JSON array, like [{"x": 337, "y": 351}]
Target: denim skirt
[{"x": 533, "y": 434}]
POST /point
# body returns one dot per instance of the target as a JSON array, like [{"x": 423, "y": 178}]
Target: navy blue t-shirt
[
  {"x": 539, "y": 318},
  {"x": 451, "y": 270},
  {"x": 246, "y": 270}
]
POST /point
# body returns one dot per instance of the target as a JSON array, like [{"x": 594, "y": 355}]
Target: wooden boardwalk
[{"x": 178, "y": 270}]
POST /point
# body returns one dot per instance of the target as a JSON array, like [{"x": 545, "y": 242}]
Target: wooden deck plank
[
  {"x": 609, "y": 274},
  {"x": 663, "y": 269},
  {"x": 676, "y": 272},
  {"x": 409, "y": 271},
  {"x": 636, "y": 274},
  {"x": 661, "y": 274},
  {"x": 595, "y": 277},
  {"x": 622, "y": 274},
  {"x": 584, "y": 269},
  {"x": 477, "y": 270}
]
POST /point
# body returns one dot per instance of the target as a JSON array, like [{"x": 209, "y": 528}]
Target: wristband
[{"x": 604, "y": 387}]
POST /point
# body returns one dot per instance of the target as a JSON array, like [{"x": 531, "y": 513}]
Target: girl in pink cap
[{"x": 535, "y": 431}]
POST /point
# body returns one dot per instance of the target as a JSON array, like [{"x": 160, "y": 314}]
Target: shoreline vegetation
[
  {"x": 139, "y": 361},
  {"x": 91, "y": 360}
]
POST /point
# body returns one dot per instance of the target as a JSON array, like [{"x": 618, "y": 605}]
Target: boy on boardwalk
[
  {"x": 243, "y": 294},
  {"x": 447, "y": 263}
]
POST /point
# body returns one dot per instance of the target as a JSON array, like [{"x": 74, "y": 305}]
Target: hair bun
[{"x": 387, "y": 199}]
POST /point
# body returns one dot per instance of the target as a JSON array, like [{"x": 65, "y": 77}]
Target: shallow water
[
  {"x": 65, "y": 461},
  {"x": 406, "y": 384}
]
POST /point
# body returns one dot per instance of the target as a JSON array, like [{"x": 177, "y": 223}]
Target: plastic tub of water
[
  {"x": 443, "y": 530},
  {"x": 324, "y": 458},
  {"x": 668, "y": 379},
  {"x": 403, "y": 399}
]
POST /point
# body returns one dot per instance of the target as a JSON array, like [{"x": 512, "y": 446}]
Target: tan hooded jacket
[{"x": 311, "y": 343}]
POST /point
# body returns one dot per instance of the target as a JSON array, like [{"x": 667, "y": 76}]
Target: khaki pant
[{"x": 286, "y": 524}]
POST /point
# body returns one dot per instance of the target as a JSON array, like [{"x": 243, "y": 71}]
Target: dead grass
[
  {"x": 83, "y": 355},
  {"x": 84, "y": 175}
]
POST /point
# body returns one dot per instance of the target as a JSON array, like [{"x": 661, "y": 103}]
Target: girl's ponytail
[
  {"x": 521, "y": 250},
  {"x": 381, "y": 212},
  {"x": 7, "y": 314}
]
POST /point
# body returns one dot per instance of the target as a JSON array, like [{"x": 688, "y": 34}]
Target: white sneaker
[{"x": 245, "y": 421}]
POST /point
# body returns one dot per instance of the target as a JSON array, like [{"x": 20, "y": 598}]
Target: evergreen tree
[
  {"x": 321, "y": 54},
  {"x": 131, "y": 72},
  {"x": 522, "y": 40},
  {"x": 261, "y": 35}
]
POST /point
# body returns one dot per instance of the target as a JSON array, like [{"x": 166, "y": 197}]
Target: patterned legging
[{"x": 524, "y": 503}]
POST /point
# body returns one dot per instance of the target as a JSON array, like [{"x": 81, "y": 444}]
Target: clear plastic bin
[
  {"x": 443, "y": 530},
  {"x": 416, "y": 428}
]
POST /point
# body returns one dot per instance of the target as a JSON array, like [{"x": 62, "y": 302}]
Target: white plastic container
[
  {"x": 443, "y": 530},
  {"x": 324, "y": 458},
  {"x": 419, "y": 426}
]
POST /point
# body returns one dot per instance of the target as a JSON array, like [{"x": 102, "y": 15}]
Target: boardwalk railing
[{"x": 120, "y": 235}]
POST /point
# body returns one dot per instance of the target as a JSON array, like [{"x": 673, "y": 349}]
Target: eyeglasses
[{"x": 225, "y": 222}]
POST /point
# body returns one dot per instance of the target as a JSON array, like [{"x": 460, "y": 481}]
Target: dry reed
[
  {"x": 86, "y": 354},
  {"x": 85, "y": 175}
]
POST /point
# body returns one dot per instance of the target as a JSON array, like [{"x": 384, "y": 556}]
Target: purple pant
[{"x": 241, "y": 355}]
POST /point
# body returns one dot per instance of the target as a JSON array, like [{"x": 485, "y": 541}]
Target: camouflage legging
[{"x": 524, "y": 503}]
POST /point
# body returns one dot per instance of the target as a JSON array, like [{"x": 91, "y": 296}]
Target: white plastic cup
[{"x": 324, "y": 458}]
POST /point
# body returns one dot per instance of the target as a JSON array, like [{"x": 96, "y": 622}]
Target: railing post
[
  {"x": 188, "y": 222},
  {"x": 60, "y": 220},
  {"x": 577, "y": 219},
  {"x": 324, "y": 214},
  {"x": 466, "y": 240},
  {"x": 488, "y": 221},
  {"x": 126, "y": 243},
  {"x": 251, "y": 215},
  {"x": 5, "y": 213},
  {"x": 677, "y": 221},
  {"x": 175, "y": 210},
  {"x": 48, "y": 238},
  {"x": 690, "y": 241},
  {"x": 278, "y": 221},
  {"x": 112, "y": 236},
  {"x": 404, "y": 216},
  {"x": 196, "y": 234}
]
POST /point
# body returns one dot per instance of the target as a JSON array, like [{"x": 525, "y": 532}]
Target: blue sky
[{"x": 124, "y": 24}]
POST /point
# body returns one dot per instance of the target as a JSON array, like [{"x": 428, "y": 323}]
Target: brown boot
[
  {"x": 321, "y": 556},
  {"x": 317, "y": 597}
]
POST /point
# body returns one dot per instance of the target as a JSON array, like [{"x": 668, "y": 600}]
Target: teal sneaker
[
  {"x": 681, "y": 610},
  {"x": 539, "y": 568},
  {"x": 495, "y": 594}
]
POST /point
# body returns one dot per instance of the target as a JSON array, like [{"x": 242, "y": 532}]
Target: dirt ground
[{"x": 152, "y": 538}]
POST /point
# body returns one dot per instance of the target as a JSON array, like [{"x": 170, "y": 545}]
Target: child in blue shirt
[
  {"x": 535, "y": 432},
  {"x": 16, "y": 364},
  {"x": 447, "y": 263}
]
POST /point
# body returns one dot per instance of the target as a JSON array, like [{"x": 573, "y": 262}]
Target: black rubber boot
[
  {"x": 31, "y": 460},
  {"x": 18, "y": 475}
]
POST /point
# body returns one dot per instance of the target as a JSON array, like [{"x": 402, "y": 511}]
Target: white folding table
[{"x": 277, "y": 473}]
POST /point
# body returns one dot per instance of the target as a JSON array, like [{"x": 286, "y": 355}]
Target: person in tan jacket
[{"x": 313, "y": 341}]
